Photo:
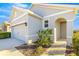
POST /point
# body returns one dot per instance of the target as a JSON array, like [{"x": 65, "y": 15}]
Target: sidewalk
[
  {"x": 10, "y": 52},
  {"x": 57, "y": 49}
]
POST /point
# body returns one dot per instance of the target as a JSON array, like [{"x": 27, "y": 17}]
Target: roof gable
[{"x": 47, "y": 9}]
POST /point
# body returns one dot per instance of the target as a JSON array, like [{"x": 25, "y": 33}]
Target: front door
[{"x": 62, "y": 30}]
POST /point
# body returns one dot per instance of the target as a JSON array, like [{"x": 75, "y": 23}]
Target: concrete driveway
[{"x": 7, "y": 47}]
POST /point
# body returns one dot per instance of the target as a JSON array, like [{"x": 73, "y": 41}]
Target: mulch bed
[
  {"x": 69, "y": 51},
  {"x": 28, "y": 50}
]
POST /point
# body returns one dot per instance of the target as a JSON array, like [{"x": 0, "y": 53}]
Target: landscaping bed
[
  {"x": 31, "y": 50},
  {"x": 70, "y": 51},
  {"x": 74, "y": 51},
  {"x": 39, "y": 47}
]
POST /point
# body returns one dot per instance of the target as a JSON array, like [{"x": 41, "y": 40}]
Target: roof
[
  {"x": 27, "y": 10},
  {"x": 58, "y": 6}
]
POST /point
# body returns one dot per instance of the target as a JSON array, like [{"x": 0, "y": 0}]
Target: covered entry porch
[
  {"x": 61, "y": 26},
  {"x": 63, "y": 30}
]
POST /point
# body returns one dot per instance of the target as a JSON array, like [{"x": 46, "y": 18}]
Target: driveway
[{"x": 7, "y": 47}]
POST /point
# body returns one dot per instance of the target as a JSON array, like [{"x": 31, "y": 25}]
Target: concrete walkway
[
  {"x": 7, "y": 47},
  {"x": 57, "y": 49}
]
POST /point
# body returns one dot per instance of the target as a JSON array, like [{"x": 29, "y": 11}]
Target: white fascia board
[
  {"x": 28, "y": 11},
  {"x": 32, "y": 13},
  {"x": 15, "y": 19},
  {"x": 15, "y": 24},
  {"x": 58, "y": 13},
  {"x": 60, "y": 6}
]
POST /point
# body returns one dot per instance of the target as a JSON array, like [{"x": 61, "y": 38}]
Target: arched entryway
[{"x": 60, "y": 25}]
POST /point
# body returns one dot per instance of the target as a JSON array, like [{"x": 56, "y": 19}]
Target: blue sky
[{"x": 5, "y": 12}]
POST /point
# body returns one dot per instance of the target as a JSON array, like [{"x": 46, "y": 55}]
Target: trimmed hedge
[{"x": 4, "y": 35}]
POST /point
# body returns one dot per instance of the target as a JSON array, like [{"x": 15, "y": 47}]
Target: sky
[{"x": 5, "y": 12}]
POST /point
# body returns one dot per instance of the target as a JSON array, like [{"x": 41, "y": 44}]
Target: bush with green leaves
[
  {"x": 4, "y": 35},
  {"x": 76, "y": 42},
  {"x": 44, "y": 38}
]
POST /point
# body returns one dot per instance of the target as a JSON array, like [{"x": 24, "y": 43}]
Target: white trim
[
  {"x": 18, "y": 17},
  {"x": 32, "y": 13},
  {"x": 27, "y": 10},
  {"x": 43, "y": 23},
  {"x": 58, "y": 13},
  {"x": 15, "y": 24},
  {"x": 24, "y": 15},
  {"x": 60, "y": 6},
  {"x": 55, "y": 38}
]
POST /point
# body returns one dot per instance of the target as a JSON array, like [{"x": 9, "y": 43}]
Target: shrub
[
  {"x": 4, "y": 35},
  {"x": 76, "y": 42},
  {"x": 0, "y": 30},
  {"x": 44, "y": 38},
  {"x": 39, "y": 50}
]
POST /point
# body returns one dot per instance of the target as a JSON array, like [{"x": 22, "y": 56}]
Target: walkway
[{"x": 57, "y": 49}]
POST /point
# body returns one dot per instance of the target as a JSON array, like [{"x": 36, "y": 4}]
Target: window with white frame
[{"x": 46, "y": 23}]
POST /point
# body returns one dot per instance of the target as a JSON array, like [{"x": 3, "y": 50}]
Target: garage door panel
[{"x": 20, "y": 32}]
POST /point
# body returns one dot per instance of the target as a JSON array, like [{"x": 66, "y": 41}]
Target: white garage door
[{"x": 20, "y": 32}]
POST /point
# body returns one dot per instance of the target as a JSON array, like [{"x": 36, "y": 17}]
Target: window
[{"x": 46, "y": 23}]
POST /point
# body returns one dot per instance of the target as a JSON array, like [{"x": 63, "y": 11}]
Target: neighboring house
[
  {"x": 25, "y": 23},
  {"x": 5, "y": 27},
  {"x": 0, "y": 28}
]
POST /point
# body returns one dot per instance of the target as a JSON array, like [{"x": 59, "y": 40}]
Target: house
[
  {"x": 5, "y": 27},
  {"x": 0, "y": 28},
  {"x": 25, "y": 23}
]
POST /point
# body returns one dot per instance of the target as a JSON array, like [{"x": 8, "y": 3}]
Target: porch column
[
  {"x": 12, "y": 33},
  {"x": 69, "y": 32},
  {"x": 55, "y": 35}
]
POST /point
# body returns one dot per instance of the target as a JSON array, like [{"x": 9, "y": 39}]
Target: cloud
[
  {"x": 4, "y": 17},
  {"x": 22, "y": 5},
  {"x": 4, "y": 10}
]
